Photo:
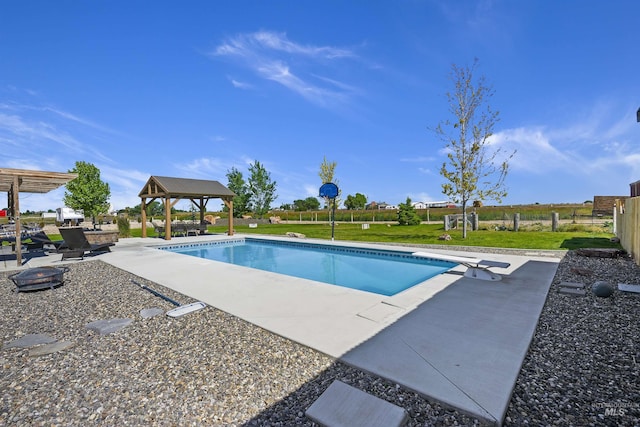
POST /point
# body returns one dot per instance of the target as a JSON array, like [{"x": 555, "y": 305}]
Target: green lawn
[{"x": 428, "y": 234}]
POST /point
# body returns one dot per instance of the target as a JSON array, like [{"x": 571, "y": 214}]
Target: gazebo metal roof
[{"x": 184, "y": 188}]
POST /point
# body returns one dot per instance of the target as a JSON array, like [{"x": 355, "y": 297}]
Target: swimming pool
[{"x": 382, "y": 272}]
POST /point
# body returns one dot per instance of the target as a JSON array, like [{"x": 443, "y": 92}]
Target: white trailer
[{"x": 69, "y": 216}]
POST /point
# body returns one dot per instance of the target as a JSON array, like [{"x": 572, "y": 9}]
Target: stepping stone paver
[
  {"x": 30, "y": 340},
  {"x": 150, "y": 312},
  {"x": 104, "y": 327},
  {"x": 54, "y": 347}
]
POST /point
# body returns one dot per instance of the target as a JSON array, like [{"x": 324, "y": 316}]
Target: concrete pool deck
[{"x": 452, "y": 339}]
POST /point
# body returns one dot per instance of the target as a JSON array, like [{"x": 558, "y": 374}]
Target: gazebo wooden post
[
  {"x": 229, "y": 204},
  {"x": 143, "y": 215},
  {"x": 203, "y": 206},
  {"x": 167, "y": 218},
  {"x": 15, "y": 209}
]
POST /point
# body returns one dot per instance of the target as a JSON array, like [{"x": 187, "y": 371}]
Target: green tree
[
  {"x": 359, "y": 201},
  {"x": 237, "y": 184},
  {"x": 87, "y": 192},
  {"x": 407, "y": 214},
  {"x": 308, "y": 204},
  {"x": 474, "y": 170},
  {"x": 327, "y": 174},
  {"x": 262, "y": 189},
  {"x": 154, "y": 208}
]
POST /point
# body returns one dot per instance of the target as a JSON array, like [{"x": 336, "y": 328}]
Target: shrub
[
  {"x": 536, "y": 226},
  {"x": 124, "y": 227},
  {"x": 407, "y": 214}
]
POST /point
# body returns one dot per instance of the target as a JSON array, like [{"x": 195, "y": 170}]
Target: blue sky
[{"x": 192, "y": 89}]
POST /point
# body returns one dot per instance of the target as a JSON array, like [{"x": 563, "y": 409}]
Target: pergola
[
  {"x": 15, "y": 181},
  {"x": 199, "y": 191}
]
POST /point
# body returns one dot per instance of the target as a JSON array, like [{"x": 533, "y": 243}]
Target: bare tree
[
  {"x": 475, "y": 169},
  {"x": 327, "y": 174}
]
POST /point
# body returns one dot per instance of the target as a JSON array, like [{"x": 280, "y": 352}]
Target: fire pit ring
[{"x": 38, "y": 278}]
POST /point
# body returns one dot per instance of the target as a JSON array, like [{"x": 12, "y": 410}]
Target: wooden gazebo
[
  {"x": 16, "y": 181},
  {"x": 171, "y": 190}
]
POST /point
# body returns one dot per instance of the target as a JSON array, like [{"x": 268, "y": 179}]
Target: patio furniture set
[{"x": 181, "y": 228}]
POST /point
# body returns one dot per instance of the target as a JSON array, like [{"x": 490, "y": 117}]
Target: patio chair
[
  {"x": 77, "y": 245},
  {"x": 41, "y": 239},
  {"x": 159, "y": 229},
  {"x": 179, "y": 229}
]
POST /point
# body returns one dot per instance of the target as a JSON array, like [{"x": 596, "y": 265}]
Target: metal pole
[{"x": 333, "y": 219}]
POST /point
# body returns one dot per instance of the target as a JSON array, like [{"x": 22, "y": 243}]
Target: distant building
[
  {"x": 603, "y": 205},
  {"x": 376, "y": 206},
  {"x": 428, "y": 205}
]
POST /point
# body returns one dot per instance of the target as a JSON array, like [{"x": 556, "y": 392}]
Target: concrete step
[
  {"x": 571, "y": 285},
  {"x": 628, "y": 288},
  {"x": 572, "y": 291},
  {"x": 344, "y": 406}
]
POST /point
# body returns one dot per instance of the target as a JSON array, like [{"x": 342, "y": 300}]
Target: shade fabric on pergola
[
  {"x": 198, "y": 191},
  {"x": 15, "y": 181}
]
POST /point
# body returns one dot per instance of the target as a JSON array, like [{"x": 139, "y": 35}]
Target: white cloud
[
  {"x": 311, "y": 190},
  {"x": 272, "y": 56},
  {"x": 534, "y": 151},
  {"x": 204, "y": 168},
  {"x": 426, "y": 171},
  {"x": 239, "y": 84},
  {"x": 19, "y": 131},
  {"x": 595, "y": 146},
  {"x": 419, "y": 159}
]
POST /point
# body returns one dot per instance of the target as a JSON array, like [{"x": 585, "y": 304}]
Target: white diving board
[{"x": 476, "y": 268}]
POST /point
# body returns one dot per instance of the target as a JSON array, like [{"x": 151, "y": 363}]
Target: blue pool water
[{"x": 381, "y": 272}]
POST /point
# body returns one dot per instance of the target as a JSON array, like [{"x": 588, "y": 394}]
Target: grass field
[{"x": 429, "y": 233}]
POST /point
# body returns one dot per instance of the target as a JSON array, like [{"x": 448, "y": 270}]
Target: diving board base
[{"x": 481, "y": 273}]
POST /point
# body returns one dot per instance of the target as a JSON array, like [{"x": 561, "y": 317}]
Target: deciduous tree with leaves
[
  {"x": 475, "y": 169},
  {"x": 308, "y": 204},
  {"x": 262, "y": 189},
  {"x": 359, "y": 201},
  {"x": 237, "y": 184},
  {"x": 87, "y": 192}
]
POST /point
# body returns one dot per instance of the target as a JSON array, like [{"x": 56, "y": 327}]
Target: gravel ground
[{"x": 210, "y": 368}]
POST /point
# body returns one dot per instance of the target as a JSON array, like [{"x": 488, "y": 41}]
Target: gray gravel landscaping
[{"x": 210, "y": 368}]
